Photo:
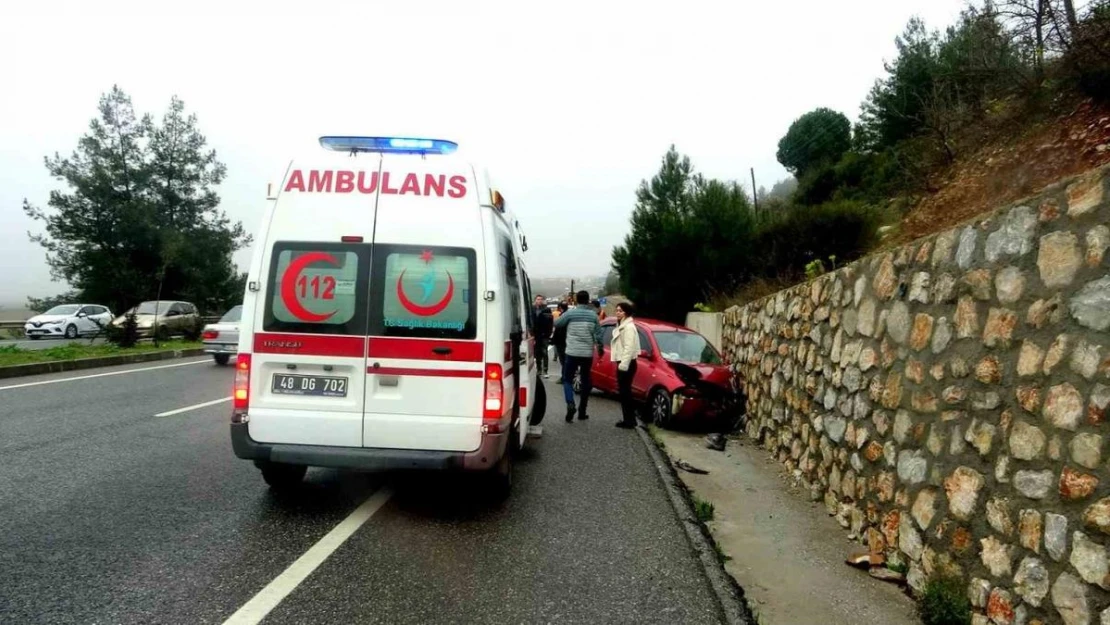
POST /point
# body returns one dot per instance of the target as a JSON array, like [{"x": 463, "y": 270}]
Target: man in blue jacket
[{"x": 583, "y": 333}]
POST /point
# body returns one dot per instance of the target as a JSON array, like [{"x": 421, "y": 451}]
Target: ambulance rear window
[
  {"x": 423, "y": 292},
  {"x": 317, "y": 288}
]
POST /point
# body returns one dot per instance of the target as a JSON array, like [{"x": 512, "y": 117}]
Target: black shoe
[
  {"x": 626, "y": 425},
  {"x": 570, "y": 413},
  {"x": 583, "y": 417}
]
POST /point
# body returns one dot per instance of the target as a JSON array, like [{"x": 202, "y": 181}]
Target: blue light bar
[{"x": 394, "y": 145}]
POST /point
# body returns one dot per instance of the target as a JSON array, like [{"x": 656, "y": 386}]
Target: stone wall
[{"x": 947, "y": 401}]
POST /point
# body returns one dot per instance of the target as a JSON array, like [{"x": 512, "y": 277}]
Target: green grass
[
  {"x": 13, "y": 355},
  {"x": 944, "y": 602},
  {"x": 703, "y": 510},
  {"x": 721, "y": 555},
  {"x": 653, "y": 432}
]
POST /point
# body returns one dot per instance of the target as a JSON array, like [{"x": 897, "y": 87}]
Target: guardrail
[{"x": 18, "y": 325}]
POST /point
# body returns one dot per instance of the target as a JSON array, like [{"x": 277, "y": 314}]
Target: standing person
[
  {"x": 542, "y": 324},
  {"x": 625, "y": 349},
  {"x": 600, "y": 311},
  {"x": 583, "y": 338},
  {"x": 559, "y": 339}
]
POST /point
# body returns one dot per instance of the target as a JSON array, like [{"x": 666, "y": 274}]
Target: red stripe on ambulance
[
  {"x": 348, "y": 181},
  {"x": 424, "y": 349},
  {"x": 309, "y": 344}
]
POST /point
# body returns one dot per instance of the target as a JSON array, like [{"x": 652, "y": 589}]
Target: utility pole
[{"x": 755, "y": 197}]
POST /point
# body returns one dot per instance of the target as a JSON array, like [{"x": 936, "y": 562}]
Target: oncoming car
[
  {"x": 386, "y": 319},
  {"x": 680, "y": 376},
  {"x": 68, "y": 321}
]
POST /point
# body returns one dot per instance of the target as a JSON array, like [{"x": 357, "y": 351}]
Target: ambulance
[{"x": 386, "y": 322}]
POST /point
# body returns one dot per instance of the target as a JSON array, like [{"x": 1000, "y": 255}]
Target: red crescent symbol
[
  {"x": 289, "y": 286},
  {"x": 425, "y": 311}
]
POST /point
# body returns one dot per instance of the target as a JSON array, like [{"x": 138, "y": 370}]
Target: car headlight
[{"x": 145, "y": 324}]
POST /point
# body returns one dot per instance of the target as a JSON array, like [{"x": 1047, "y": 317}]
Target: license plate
[{"x": 318, "y": 385}]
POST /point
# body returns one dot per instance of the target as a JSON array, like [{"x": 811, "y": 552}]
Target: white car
[
  {"x": 221, "y": 339},
  {"x": 68, "y": 321}
]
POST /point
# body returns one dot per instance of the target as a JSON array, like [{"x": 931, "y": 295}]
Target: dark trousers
[
  {"x": 573, "y": 365},
  {"x": 541, "y": 356},
  {"x": 624, "y": 386}
]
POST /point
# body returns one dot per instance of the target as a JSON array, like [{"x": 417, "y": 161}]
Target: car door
[
  {"x": 309, "y": 344},
  {"x": 645, "y": 366},
  {"x": 84, "y": 320},
  {"x": 191, "y": 315},
  {"x": 101, "y": 318},
  {"x": 605, "y": 370}
]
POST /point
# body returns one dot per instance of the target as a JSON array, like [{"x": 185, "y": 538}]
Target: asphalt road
[{"x": 111, "y": 514}]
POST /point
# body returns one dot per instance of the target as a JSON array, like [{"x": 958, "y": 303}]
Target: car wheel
[
  {"x": 221, "y": 359},
  {"x": 71, "y": 331},
  {"x": 539, "y": 405},
  {"x": 163, "y": 333},
  {"x": 283, "y": 476},
  {"x": 659, "y": 408}
]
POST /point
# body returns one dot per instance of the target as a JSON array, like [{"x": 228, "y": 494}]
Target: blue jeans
[{"x": 572, "y": 365}]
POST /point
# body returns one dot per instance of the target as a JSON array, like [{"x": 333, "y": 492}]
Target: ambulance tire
[
  {"x": 499, "y": 479},
  {"x": 540, "y": 405},
  {"x": 282, "y": 476}
]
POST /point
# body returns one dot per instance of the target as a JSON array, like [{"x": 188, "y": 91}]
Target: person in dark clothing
[
  {"x": 583, "y": 332},
  {"x": 559, "y": 340},
  {"x": 543, "y": 324}
]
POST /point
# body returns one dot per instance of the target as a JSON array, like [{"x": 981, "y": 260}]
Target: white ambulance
[{"x": 387, "y": 320}]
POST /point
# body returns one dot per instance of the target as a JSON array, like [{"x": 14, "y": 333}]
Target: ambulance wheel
[
  {"x": 282, "y": 476},
  {"x": 540, "y": 405},
  {"x": 499, "y": 479}
]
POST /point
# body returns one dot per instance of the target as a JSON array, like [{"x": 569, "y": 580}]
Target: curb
[
  {"x": 59, "y": 366},
  {"x": 729, "y": 595}
]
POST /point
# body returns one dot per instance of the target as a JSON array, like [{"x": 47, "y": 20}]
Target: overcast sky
[{"x": 572, "y": 104}]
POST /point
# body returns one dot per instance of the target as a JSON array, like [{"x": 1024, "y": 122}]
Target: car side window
[
  {"x": 645, "y": 342},
  {"x": 86, "y": 310}
]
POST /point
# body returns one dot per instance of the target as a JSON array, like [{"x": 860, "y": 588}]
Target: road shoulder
[{"x": 784, "y": 551}]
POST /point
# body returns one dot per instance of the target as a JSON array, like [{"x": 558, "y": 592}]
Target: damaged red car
[{"x": 680, "y": 377}]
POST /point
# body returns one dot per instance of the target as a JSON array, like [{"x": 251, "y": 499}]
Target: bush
[
  {"x": 127, "y": 334},
  {"x": 944, "y": 602},
  {"x": 844, "y": 230}
]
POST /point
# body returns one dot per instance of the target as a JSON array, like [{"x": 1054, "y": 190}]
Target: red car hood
[{"x": 691, "y": 373}]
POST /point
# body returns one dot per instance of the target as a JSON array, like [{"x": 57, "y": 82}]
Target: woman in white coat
[{"x": 624, "y": 350}]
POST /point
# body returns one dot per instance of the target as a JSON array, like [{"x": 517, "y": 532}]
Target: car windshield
[
  {"x": 63, "y": 310},
  {"x": 233, "y": 315},
  {"x": 686, "y": 347},
  {"x": 152, "y": 308}
]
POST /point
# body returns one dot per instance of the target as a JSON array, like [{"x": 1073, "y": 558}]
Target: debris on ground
[
  {"x": 865, "y": 560},
  {"x": 887, "y": 575},
  {"x": 716, "y": 442},
  {"x": 689, "y": 468}
]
